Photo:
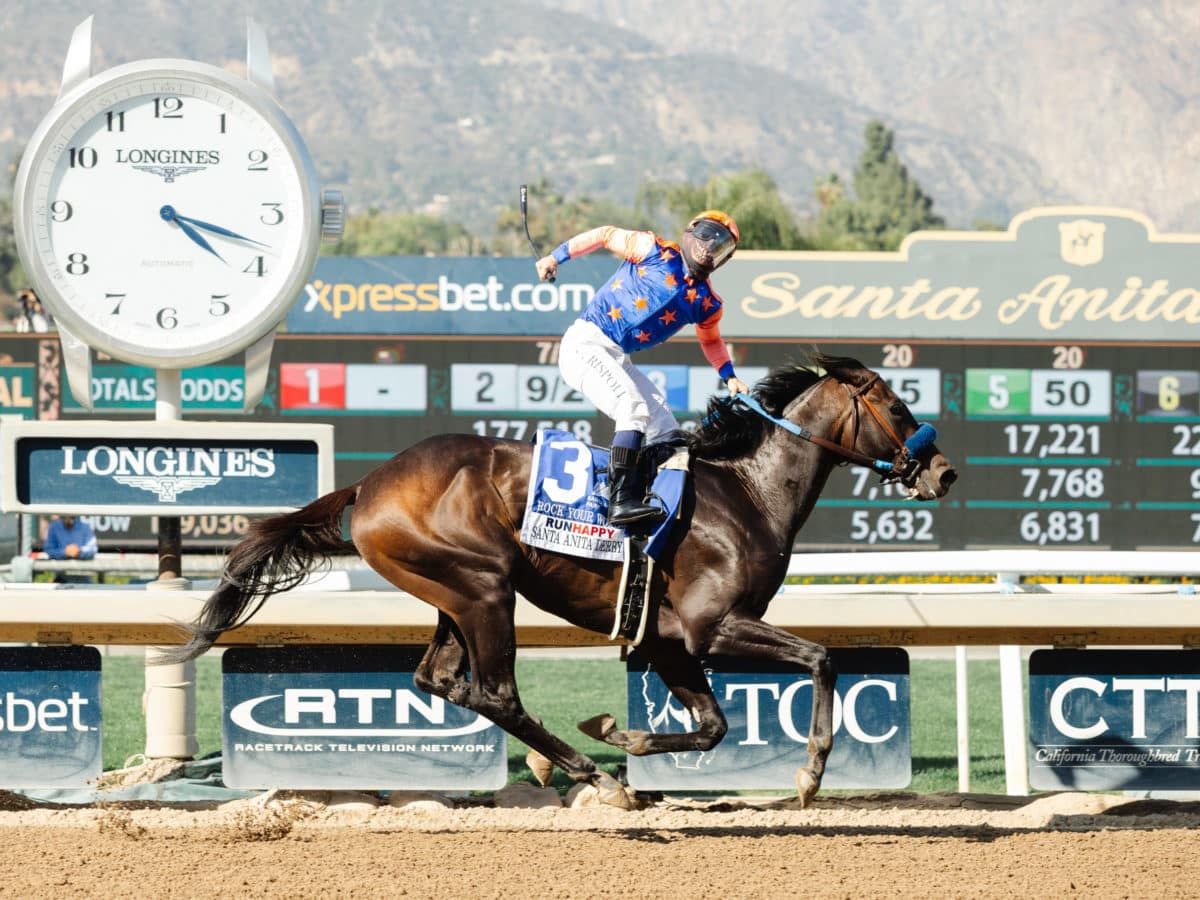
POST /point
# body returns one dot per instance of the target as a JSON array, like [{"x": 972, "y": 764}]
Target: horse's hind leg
[
  {"x": 476, "y": 607},
  {"x": 443, "y": 668},
  {"x": 746, "y": 637},
  {"x": 491, "y": 642},
  {"x": 684, "y": 677}
]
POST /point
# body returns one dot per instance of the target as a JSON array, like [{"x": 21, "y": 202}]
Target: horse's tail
[{"x": 276, "y": 555}]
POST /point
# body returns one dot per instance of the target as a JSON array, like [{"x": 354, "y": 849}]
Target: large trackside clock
[{"x": 168, "y": 213}]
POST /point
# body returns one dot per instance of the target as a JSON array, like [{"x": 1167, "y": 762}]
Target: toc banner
[
  {"x": 349, "y": 717},
  {"x": 49, "y": 717},
  {"x": 768, "y": 708},
  {"x": 1102, "y": 720}
]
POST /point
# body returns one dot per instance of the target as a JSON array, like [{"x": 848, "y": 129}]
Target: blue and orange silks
[{"x": 651, "y": 296}]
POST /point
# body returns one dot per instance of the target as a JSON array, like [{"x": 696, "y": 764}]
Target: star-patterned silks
[{"x": 647, "y": 301}]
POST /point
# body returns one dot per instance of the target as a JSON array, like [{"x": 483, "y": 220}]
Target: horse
[{"x": 442, "y": 521}]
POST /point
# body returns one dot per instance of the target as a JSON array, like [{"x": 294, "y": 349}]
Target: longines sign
[
  {"x": 1057, "y": 273},
  {"x": 163, "y": 468}
]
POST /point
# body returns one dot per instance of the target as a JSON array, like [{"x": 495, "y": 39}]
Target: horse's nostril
[{"x": 948, "y": 478}]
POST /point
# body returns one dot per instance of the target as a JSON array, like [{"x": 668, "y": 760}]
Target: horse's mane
[{"x": 730, "y": 431}]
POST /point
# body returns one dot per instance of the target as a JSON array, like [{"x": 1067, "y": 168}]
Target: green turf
[{"x": 561, "y": 692}]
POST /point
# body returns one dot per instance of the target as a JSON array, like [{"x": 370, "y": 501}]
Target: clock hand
[
  {"x": 169, "y": 215},
  {"x": 217, "y": 229}
]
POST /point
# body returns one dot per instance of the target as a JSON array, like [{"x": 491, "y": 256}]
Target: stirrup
[{"x": 644, "y": 516}]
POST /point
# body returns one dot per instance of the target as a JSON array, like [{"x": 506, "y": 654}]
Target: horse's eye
[{"x": 897, "y": 408}]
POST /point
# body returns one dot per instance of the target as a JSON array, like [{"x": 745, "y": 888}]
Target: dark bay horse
[{"x": 442, "y": 521}]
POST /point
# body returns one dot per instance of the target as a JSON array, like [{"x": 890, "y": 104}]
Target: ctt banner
[
  {"x": 349, "y": 717},
  {"x": 1105, "y": 720},
  {"x": 49, "y": 717},
  {"x": 768, "y": 707}
]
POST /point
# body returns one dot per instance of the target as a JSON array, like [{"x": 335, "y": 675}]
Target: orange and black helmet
[{"x": 718, "y": 235}]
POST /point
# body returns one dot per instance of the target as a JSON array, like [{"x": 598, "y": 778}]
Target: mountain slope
[{"x": 450, "y": 107}]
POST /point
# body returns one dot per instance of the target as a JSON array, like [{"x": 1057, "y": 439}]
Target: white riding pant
[{"x": 599, "y": 369}]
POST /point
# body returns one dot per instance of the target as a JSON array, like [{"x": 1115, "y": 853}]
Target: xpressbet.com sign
[
  {"x": 1058, "y": 273},
  {"x": 163, "y": 468}
]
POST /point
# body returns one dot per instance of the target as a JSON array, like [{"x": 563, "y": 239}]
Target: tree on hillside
[
  {"x": 12, "y": 275},
  {"x": 553, "y": 218},
  {"x": 404, "y": 234},
  {"x": 751, "y": 197},
  {"x": 888, "y": 203}
]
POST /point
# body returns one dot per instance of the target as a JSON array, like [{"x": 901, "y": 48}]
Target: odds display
[{"x": 1058, "y": 445}]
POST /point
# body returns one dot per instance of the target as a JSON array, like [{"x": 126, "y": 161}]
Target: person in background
[
  {"x": 34, "y": 316},
  {"x": 660, "y": 287},
  {"x": 70, "y": 537}
]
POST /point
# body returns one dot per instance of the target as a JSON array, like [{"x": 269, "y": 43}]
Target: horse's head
[{"x": 879, "y": 425}]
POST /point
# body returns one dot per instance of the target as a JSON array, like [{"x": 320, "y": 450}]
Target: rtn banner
[
  {"x": 1058, "y": 273},
  {"x": 349, "y": 717}
]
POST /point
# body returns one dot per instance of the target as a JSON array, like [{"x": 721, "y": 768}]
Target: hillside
[{"x": 450, "y": 106}]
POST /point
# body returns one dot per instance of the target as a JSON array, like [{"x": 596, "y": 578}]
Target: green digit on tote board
[{"x": 997, "y": 392}]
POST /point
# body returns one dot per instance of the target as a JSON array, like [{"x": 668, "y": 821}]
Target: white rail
[{"x": 1005, "y": 612}]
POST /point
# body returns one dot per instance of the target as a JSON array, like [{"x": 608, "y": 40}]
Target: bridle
[{"x": 904, "y": 465}]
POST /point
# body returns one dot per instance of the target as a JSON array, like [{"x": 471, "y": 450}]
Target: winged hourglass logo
[
  {"x": 170, "y": 173},
  {"x": 166, "y": 487}
]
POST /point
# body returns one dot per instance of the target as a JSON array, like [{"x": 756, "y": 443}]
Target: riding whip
[{"x": 537, "y": 254}]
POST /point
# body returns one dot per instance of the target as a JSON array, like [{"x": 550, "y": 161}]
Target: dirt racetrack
[{"x": 342, "y": 845}]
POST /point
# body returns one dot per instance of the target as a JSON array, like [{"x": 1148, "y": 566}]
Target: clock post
[{"x": 168, "y": 214}]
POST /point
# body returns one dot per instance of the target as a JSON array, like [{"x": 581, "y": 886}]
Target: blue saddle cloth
[{"x": 567, "y": 507}]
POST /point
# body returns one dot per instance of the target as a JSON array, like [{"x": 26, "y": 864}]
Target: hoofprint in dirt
[
  {"x": 523, "y": 806},
  {"x": 353, "y": 845}
]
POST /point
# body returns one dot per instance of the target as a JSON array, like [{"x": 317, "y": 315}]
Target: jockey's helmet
[{"x": 708, "y": 241}]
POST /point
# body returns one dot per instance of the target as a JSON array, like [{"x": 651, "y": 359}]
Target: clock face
[{"x": 168, "y": 215}]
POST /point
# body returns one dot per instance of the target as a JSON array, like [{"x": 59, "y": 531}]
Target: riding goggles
[{"x": 720, "y": 240}]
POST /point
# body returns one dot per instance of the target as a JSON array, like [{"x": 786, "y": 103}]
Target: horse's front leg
[
  {"x": 745, "y": 637},
  {"x": 684, "y": 677}
]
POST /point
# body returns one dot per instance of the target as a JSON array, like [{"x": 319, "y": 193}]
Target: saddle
[{"x": 567, "y": 511}]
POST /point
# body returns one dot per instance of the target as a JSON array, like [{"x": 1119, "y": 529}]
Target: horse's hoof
[
  {"x": 612, "y": 793},
  {"x": 541, "y": 767},
  {"x": 806, "y": 786},
  {"x": 599, "y": 727}
]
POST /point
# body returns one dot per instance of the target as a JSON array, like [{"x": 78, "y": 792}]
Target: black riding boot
[{"x": 627, "y": 507}]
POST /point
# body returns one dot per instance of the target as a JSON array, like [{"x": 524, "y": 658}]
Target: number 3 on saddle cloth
[{"x": 567, "y": 511}]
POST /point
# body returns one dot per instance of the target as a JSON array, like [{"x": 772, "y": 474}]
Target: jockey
[{"x": 659, "y": 288}]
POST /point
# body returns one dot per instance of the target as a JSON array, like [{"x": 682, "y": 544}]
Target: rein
[{"x": 923, "y": 437}]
